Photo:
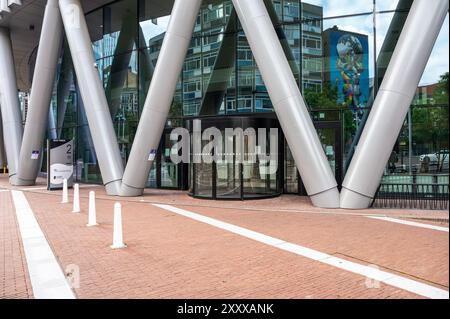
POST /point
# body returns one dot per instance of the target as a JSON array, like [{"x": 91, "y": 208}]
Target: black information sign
[{"x": 59, "y": 163}]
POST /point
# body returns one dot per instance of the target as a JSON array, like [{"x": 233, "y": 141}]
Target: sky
[
  {"x": 151, "y": 30},
  {"x": 437, "y": 64}
]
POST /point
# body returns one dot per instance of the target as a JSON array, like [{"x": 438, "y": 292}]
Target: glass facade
[{"x": 338, "y": 52}]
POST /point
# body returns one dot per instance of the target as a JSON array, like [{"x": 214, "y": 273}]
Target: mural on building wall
[{"x": 348, "y": 67}]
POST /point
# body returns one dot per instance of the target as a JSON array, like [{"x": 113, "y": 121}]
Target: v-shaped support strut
[
  {"x": 283, "y": 90},
  {"x": 288, "y": 103},
  {"x": 391, "y": 105}
]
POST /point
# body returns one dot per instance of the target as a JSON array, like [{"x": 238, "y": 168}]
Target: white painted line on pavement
[
  {"x": 33, "y": 189},
  {"x": 409, "y": 223},
  {"x": 47, "y": 279},
  {"x": 4, "y": 190},
  {"x": 89, "y": 185},
  {"x": 407, "y": 284},
  {"x": 45, "y": 188}
]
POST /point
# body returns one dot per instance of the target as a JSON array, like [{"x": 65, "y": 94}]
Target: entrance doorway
[
  {"x": 233, "y": 179},
  {"x": 164, "y": 173}
]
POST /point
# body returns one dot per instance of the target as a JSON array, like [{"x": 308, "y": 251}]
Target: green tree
[
  {"x": 430, "y": 123},
  {"x": 325, "y": 99},
  {"x": 440, "y": 95}
]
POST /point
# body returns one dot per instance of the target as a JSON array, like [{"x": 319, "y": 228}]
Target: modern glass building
[{"x": 338, "y": 52}]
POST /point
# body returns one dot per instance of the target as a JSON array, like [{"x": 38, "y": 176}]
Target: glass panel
[
  {"x": 203, "y": 178},
  {"x": 327, "y": 137},
  {"x": 421, "y": 153},
  {"x": 331, "y": 47},
  {"x": 152, "y": 181},
  {"x": 291, "y": 10},
  {"x": 169, "y": 170},
  {"x": 95, "y": 26},
  {"x": 153, "y": 22},
  {"x": 311, "y": 49},
  {"x": 229, "y": 175},
  {"x": 152, "y": 26},
  {"x": 389, "y": 28},
  {"x": 290, "y": 172},
  {"x": 245, "y": 75},
  {"x": 348, "y": 72},
  {"x": 260, "y": 177},
  {"x": 120, "y": 34}
]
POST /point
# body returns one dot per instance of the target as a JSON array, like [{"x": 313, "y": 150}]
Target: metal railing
[{"x": 412, "y": 195}]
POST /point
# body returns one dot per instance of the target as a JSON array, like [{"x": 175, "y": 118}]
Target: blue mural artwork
[{"x": 349, "y": 68}]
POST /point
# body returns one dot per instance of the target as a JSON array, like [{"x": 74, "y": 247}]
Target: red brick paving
[
  {"x": 417, "y": 252},
  {"x": 14, "y": 278},
  {"x": 170, "y": 256}
]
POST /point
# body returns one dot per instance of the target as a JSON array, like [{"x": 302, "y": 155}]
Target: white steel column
[
  {"x": 9, "y": 102},
  {"x": 159, "y": 99},
  {"x": 93, "y": 94},
  {"x": 391, "y": 105},
  {"x": 41, "y": 94},
  {"x": 288, "y": 103}
]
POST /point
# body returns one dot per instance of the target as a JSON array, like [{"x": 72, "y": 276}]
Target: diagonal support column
[
  {"x": 288, "y": 103},
  {"x": 160, "y": 95},
  {"x": 9, "y": 102},
  {"x": 93, "y": 94},
  {"x": 391, "y": 105},
  {"x": 41, "y": 94},
  {"x": 51, "y": 128},
  {"x": 65, "y": 82}
]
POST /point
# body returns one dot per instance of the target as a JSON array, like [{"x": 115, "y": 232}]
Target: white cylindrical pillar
[
  {"x": 118, "y": 231},
  {"x": 288, "y": 103},
  {"x": 76, "y": 199},
  {"x": 93, "y": 94},
  {"x": 393, "y": 100},
  {"x": 9, "y": 103},
  {"x": 41, "y": 94},
  {"x": 92, "y": 221},
  {"x": 160, "y": 95},
  {"x": 65, "y": 192}
]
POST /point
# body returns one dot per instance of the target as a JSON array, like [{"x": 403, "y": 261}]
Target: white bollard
[
  {"x": 65, "y": 193},
  {"x": 76, "y": 198},
  {"x": 92, "y": 211},
  {"x": 118, "y": 236}
]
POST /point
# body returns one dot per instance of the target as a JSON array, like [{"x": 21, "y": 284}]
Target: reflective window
[{"x": 338, "y": 51}]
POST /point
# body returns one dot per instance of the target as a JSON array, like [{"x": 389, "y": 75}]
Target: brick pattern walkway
[
  {"x": 405, "y": 250},
  {"x": 170, "y": 256},
  {"x": 14, "y": 278}
]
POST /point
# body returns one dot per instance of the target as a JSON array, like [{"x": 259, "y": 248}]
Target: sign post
[{"x": 59, "y": 163}]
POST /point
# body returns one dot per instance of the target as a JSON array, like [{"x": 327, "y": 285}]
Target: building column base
[
  {"x": 16, "y": 181},
  {"x": 326, "y": 199},
  {"x": 354, "y": 200}
]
